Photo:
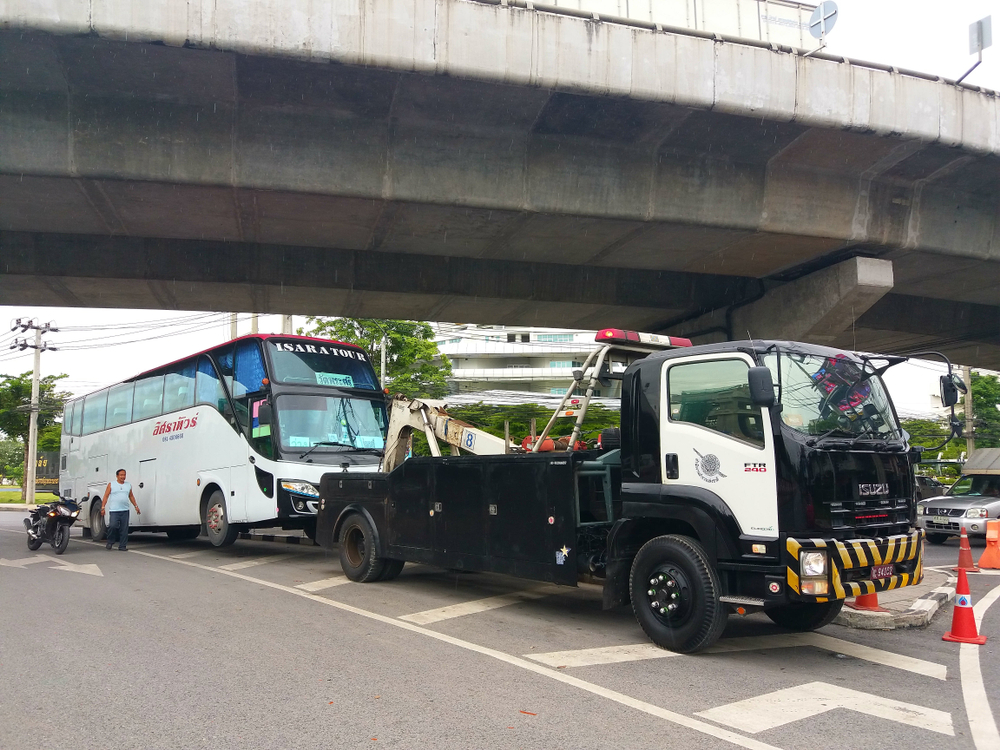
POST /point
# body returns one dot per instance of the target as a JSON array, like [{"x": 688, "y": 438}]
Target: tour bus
[{"x": 233, "y": 438}]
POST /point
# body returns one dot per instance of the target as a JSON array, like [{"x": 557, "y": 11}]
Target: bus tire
[
  {"x": 358, "y": 555},
  {"x": 220, "y": 532},
  {"x": 674, "y": 570},
  {"x": 391, "y": 569},
  {"x": 805, "y": 616},
  {"x": 98, "y": 528},
  {"x": 184, "y": 534},
  {"x": 938, "y": 538}
]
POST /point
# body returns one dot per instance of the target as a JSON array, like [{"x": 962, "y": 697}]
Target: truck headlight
[
  {"x": 976, "y": 513},
  {"x": 301, "y": 488},
  {"x": 812, "y": 564}
]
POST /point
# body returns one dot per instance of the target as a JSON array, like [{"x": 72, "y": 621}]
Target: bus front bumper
[{"x": 853, "y": 567}]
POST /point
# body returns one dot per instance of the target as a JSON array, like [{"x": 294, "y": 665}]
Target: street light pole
[{"x": 970, "y": 440}]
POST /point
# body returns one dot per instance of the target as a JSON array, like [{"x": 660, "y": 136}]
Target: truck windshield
[
  {"x": 335, "y": 423},
  {"x": 320, "y": 362},
  {"x": 976, "y": 486},
  {"x": 833, "y": 396}
]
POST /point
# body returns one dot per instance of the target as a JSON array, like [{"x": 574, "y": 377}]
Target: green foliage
[
  {"x": 49, "y": 438},
  {"x": 410, "y": 352},
  {"x": 986, "y": 416},
  {"x": 11, "y": 458},
  {"x": 15, "y": 400}
]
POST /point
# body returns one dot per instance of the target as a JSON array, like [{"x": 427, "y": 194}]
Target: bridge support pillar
[{"x": 816, "y": 308}]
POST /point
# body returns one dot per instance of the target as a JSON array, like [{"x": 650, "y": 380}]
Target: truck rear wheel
[
  {"x": 358, "y": 554},
  {"x": 391, "y": 569},
  {"x": 804, "y": 617},
  {"x": 675, "y": 594}
]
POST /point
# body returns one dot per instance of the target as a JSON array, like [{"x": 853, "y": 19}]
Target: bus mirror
[
  {"x": 264, "y": 414},
  {"x": 761, "y": 386},
  {"x": 950, "y": 387}
]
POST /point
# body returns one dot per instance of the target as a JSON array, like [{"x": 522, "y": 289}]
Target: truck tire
[
  {"x": 358, "y": 554},
  {"x": 391, "y": 569},
  {"x": 674, "y": 571},
  {"x": 804, "y": 617}
]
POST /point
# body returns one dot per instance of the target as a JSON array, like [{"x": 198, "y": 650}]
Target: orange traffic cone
[
  {"x": 990, "y": 559},
  {"x": 965, "y": 556},
  {"x": 866, "y": 603},
  {"x": 963, "y": 622}
]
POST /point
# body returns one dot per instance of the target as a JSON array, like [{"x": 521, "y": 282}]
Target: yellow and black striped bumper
[{"x": 851, "y": 562}]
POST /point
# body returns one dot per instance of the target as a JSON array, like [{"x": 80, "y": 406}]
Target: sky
[{"x": 930, "y": 36}]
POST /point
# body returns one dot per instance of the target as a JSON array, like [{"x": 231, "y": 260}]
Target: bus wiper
[{"x": 317, "y": 445}]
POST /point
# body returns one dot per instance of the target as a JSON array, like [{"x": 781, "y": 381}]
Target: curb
[
  {"x": 303, "y": 540},
  {"x": 17, "y": 507},
  {"x": 918, "y": 615}
]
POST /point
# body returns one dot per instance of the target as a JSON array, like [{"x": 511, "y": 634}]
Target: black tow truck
[{"x": 746, "y": 476}]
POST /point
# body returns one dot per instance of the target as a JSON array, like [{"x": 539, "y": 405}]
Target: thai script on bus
[{"x": 173, "y": 425}]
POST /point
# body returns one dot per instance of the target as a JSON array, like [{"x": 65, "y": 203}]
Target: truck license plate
[
  {"x": 883, "y": 571},
  {"x": 941, "y": 520}
]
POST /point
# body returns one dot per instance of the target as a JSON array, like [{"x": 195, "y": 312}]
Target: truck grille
[{"x": 883, "y": 516}]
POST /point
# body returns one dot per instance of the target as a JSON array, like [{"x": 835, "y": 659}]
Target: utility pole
[
  {"x": 286, "y": 324},
  {"x": 232, "y": 326},
  {"x": 31, "y": 464},
  {"x": 970, "y": 440},
  {"x": 382, "y": 370},
  {"x": 253, "y": 323}
]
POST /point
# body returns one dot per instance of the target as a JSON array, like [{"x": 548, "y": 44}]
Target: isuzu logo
[{"x": 871, "y": 490}]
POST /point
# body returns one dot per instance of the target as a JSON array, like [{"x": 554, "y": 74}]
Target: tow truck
[{"x": 746, "y": 476}]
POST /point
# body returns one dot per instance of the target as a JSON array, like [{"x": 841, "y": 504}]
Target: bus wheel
[
  {"x": 358, "y": 555},
  {"x": 220, "y": 532},
  {"x": 675, "y": 594},
  {"x": 184, "y": 534},
  {"x": 803, "y": 616},
  {"x": 98, "y": 529}
]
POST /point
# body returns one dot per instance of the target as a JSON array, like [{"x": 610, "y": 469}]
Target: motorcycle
[{"x": 50, "y": 523}]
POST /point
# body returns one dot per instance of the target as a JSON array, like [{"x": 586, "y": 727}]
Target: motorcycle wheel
[
  {"x": 34, "y": 544},
  {"x": 60, "y": 538}
]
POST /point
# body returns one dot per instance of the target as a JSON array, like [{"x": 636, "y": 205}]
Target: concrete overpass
[{"x": 478, "y": 162}]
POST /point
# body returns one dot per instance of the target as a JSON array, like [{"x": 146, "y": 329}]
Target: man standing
[{"x": 116, "y": 500}]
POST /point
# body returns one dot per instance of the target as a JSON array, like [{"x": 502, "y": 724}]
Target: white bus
[{"x": 233, "y": 438}]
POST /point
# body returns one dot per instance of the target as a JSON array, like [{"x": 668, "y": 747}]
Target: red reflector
[
  {"x": 609, "y": 333},
  {"x": 677, "y": 341},
  {"x": 874, "y": 515},
  {"x": 631, "y": 335}
]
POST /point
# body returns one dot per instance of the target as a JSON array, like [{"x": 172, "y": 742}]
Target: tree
[
  {"x": 986, "y": 416},
  {"x": 412, "y": 368},
  {"x": 11, "y": 458},
  {"x": 15, "y": 403}
]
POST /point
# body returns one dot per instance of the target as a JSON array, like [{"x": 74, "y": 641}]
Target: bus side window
[
  {"x": 178, "y": 387},
  {"x": 67, "y": 424},
  {"x": 148, "y": 398},
  {"x": 250, "y": 372},
  {"x": 77, "y": 417},
  {"x": 96, "y": 404},
  {"x": 120, "y": 404},
  {"x": 208, "y": 388}
]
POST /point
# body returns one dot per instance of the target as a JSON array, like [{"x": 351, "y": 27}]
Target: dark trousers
[{"x": 118, "y": 528}]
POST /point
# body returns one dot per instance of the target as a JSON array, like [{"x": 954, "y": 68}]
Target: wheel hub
[
  {"x": 669, "y": 595},
  {"x": 215, "y": 518}
]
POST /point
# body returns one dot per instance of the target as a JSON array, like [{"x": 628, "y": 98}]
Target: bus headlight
[
  {"x": 812, "y": 564},
  {"x": 300, "y": 488}
]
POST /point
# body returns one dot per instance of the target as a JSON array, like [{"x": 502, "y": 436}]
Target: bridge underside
[{"x": 137, "y": 175}]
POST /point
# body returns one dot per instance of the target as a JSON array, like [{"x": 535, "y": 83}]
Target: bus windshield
[
  {"x": 329, "y": 422},
  {"x": 320, "y": 363},
  {"x": 832, "y": 395}
]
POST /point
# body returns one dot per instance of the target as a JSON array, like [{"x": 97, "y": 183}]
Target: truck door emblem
[
  {"x": 561, "y": 555},
  {"x": 708, "y": 466}
]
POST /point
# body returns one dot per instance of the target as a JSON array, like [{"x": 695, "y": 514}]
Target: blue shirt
[{"x": 118, "y": 499}]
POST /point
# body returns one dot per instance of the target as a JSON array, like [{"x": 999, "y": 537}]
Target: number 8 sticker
[{"x": 470, "y": 440}]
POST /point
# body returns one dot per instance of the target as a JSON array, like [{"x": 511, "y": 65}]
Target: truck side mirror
[
  {"x": 761, "y": 386},
  {"x": 264, "y": 415},
  {"x": 950, "y": 387}
]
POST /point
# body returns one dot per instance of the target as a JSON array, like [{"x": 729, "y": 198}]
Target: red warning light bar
[{"x": 639, "y": 340}]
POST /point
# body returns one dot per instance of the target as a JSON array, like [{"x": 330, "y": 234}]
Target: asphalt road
[{"x": 266, "y": 646}]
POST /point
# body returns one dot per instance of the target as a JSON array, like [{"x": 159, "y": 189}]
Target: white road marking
[
  {"x": 26, "y": 561},
  {"x": 638, "y": 651},
  {"x": 559, "y": 676},
  {"x": 607, "y": 655},
  {"x": 255, "y": 562},
  {"x": 474, "y": 607},
  {"x": 977, "y": 705},
  {"x": 326, "y": 583},
  {"x": 87, "y": 568},
  {"x": 805, "y": 701},
  {"x": 184, "y": 555}
]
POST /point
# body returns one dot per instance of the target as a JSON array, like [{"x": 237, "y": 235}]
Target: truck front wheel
[
  {"x": 804, "y": 617},
  {"x": 358, "y": 554},
  {"x": 675, "y": 594}
]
